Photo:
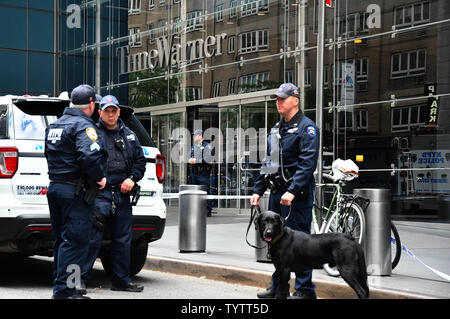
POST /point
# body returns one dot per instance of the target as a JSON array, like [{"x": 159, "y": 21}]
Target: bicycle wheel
[
  {"x": 396, "y": 246},
  {"x": 350, "y": 221}
]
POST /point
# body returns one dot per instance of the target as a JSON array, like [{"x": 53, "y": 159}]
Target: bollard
[
  {"x": 377, "y": 239},
  {"x": 192, "y": 218},
  {"x": 262, "y": 254}
]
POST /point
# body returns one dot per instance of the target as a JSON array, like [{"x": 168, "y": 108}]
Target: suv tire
[{"x": 138, "y": 256}]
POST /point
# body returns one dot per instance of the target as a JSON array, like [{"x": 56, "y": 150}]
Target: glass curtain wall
[
  {"x": 27, "y": 49},
  {"x": 386, "y": 76}
]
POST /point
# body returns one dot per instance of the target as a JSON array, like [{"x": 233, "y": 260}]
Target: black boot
[{"x": 268, "y": 294}]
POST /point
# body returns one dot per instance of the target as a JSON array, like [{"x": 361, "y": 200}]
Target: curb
[{"x": 324, "y": 289}]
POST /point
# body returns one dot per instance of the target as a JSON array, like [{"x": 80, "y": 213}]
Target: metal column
[
  {"x": 377, "y": 241},
  {"x": 192, "y": 218}
]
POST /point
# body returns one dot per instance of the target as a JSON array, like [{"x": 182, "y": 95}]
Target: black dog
[{"x": 295, "y": 251}]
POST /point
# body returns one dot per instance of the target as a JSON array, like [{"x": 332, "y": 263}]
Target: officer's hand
[
  {"x": 127, "y": 185},
  {"x": 192, "y": 160},
  {"x": 102, "y": 183},
  {"x": 287, "y": 199},
  {"x": 254, "y": 200}
]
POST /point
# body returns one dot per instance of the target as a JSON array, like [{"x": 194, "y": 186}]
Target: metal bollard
[
  {"x": 377, "y": 240},
  {"x": 262, "y": 254},
  {"x": 192, "y": 218}
]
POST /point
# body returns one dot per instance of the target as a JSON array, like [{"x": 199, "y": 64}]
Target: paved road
[{"x": 30, "y": 278}]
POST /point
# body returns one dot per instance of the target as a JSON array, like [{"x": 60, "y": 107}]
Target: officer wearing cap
[
  {"x": 200, "y": 169},
  {"x": 74, "y": 153},
  {"x": 288, "y": 170},
  {"x": 125, "y": 167}
]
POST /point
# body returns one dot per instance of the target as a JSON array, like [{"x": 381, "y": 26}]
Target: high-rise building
[{"x": 215, "y": 63}]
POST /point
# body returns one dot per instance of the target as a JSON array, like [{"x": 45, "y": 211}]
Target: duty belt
[
  {"x": 70, "y": 182},
  {"x": 113, "y": 187},
  {"x": 199, "y": 169}
]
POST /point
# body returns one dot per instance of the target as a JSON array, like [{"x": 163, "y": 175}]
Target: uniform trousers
[
  {"x": 119, "y": 224},
  {"x": 71, "y": 220},
  {"x": 203, "y": 179}
]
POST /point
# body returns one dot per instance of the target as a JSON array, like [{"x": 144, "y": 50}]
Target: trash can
[
  {"x": 192, "y": 218},
  {"x": 377, "y": 243},
  {"x": 262, "y": 254}
]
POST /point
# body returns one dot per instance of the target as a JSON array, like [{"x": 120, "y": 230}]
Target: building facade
[{"x": 215, "y": 63}]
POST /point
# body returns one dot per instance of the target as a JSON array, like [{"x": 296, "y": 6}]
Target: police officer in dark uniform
[
  {"x": 125, "y": 167},
  {"x": 74, "y": 155},
  {"x": 200, "y": 168},
  {"x": 288, "y": 171}
]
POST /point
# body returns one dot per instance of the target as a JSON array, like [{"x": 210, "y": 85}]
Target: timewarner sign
[{"x": 169, "y": 53}]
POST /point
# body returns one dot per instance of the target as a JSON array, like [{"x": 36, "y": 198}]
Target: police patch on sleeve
[
  {"x": 54, "y": 134},
  {"x": 92, "y": 133},
  {"x": 311, "y": 130}
]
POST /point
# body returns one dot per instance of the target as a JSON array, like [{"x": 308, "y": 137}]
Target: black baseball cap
[{"x": 82, "y": 95}]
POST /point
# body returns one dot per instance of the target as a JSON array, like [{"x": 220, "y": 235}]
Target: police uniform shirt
[
  {"x": 299, "y": 149},
  {"x": 201, "y": 153},
  {"x": 125, "y": 155},
  {"x": 73, "y": 149}
]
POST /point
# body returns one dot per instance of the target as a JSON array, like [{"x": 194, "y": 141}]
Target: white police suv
[{"x": 25, "y": 226}]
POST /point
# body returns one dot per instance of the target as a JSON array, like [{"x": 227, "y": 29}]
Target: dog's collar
[{"x": 277, "y": 238}]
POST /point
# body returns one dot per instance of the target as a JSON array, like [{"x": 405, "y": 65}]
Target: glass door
[
  {"x": 228, "y": 175},
  {"x": 163, "y": 127},
  {"x": 252, "y": 144}
]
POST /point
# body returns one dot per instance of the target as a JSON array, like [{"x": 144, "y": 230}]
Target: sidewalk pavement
[{"x": 229, "y": 258}]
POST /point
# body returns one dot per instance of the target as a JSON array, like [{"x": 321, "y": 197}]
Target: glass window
[
  {"x": 233, "y": 8},
  {"x": 408, "y": 64},
  {"x": 219, "y": 12},
  {"x": 41, "y": 4},
  {"x": 13, "y": 25},
  {"x": 28, "y": 127},
  {"x": 3, "y": 121},
  {"x": 38, "y": 84},
  {"x": 15, "y": 81},
  {"x": 40, "y": 31},
  {"x": 134, "y": 6},
  {"x": 21, "y": 3}
]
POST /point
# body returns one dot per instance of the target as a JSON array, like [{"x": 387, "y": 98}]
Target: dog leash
[{"x": 255, "y": 211}]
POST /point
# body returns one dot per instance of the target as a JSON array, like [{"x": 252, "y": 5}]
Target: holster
[
  {"x": 277, "y": 183},
  {"x": 136, "y": 193},
  {"x": 99, "y": 220},
  {"x": 91, "y": 190}
]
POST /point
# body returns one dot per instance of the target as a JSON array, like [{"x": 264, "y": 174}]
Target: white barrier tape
[
  {"x": 410, "y": 253},
  {"x": 177, "y": 195},
  {"x": 193, "y": 191}
]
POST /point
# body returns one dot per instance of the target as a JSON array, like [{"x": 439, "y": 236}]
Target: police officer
[
  {"x": 73, "y": 153},
  {"x": 125, "y": 167},
  {"x": 293, "y": 147},
  {"x": 200, "y": 169}
]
